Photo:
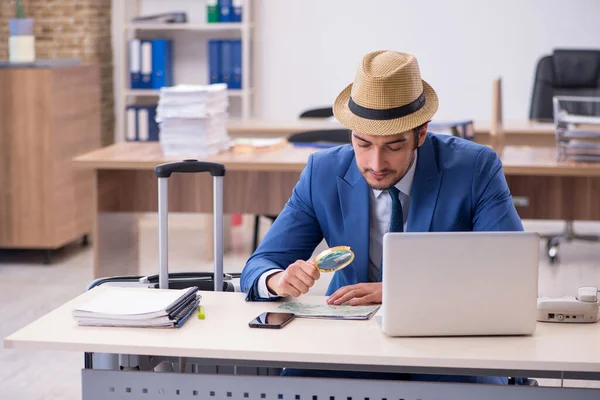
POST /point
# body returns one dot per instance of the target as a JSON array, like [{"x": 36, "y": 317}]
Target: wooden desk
[
  {"x": 555, "y": 350},
  {"x": 125, "y": 184},
  {"x": 517, "y": 133},
  {"x": 261, "y": 183},
  {"x": 544, "y": 188}
]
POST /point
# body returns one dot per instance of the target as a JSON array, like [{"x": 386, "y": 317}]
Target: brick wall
[{"x": 71, "y": 29}]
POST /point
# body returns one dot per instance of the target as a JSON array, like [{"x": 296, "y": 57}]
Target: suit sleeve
[
  {"x": 493, "y": 206},
  {"x": 293, "y": 236}
]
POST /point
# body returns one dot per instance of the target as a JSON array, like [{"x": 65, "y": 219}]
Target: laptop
[{"x": 459, "y": 283}]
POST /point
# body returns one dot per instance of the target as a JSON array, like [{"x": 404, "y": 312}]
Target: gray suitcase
[{"x": 216, "y": 280}]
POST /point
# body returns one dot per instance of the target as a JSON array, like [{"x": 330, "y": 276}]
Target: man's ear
[{"x": 422, "y": 134}]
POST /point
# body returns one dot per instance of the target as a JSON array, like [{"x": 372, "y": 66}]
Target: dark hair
[{"x": 416, "y": 132}]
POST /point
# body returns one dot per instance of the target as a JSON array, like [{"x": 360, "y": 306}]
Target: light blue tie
[{"x": 396, "y": 221}]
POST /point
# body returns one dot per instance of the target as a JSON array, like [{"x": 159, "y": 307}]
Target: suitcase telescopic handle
[
  {"x": 189, "y": 166},
  {"x": 163, "y": 172}
]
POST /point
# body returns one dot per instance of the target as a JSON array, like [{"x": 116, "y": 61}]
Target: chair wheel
[{"x": 553, "y": 254}]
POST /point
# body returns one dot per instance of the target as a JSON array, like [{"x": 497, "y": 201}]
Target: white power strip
[{"x": 584, "y": 308}]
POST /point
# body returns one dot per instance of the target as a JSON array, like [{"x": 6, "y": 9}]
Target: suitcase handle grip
[{"x": 189, "y": 166}]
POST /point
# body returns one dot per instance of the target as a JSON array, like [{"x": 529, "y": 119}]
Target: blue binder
[
  {"x": 236, "y": 64},
  {"x": 147, "y": 125},
  {"x": 146, "y": 64},
  {"x": 214, "y": 61},
  {"x": 131, "y": 132},
  {"x": 141, "y": 123},
  {"x": 162, "y": 63},
  {"x": 135, "y": 54},
  {"x": 236, "y": 10},
  {"x": 225, "y": 11},
  {"x": 226, "y": 62},
  {"x": 153, "y": 130}
]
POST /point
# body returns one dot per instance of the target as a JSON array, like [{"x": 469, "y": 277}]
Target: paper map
[{"x": 303, "y": 310}]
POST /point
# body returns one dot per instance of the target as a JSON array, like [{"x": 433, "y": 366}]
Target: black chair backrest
[
  {"x": 318, "y": 113},
  {"x": 333, "y": 136},
  {"x": 566, "y": 73}
]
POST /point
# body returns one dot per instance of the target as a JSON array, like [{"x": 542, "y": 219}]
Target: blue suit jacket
[{"x": 458, "y": 186}]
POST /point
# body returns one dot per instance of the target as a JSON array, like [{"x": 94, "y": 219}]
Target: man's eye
[
  {"x": 396, "y": 148},
  {"x": 363, "y": 145}
]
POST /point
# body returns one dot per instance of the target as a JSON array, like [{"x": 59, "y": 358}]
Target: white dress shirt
[{"x": 380, "y": 214}]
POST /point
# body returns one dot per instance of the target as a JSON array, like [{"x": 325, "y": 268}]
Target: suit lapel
[
  {"x": 425, "y": 189},
  {"x": 353, "y": 194}
]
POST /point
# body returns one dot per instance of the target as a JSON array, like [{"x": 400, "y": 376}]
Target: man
[{"x": 394, "y": 177}]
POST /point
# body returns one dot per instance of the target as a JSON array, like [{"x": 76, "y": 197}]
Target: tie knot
[{"x": 393, "y": 191}]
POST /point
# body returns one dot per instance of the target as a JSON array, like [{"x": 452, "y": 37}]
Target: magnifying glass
[{"x": 334, "y": 259}]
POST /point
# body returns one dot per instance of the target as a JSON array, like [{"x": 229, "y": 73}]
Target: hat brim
[{"x": 384, "y": 127}]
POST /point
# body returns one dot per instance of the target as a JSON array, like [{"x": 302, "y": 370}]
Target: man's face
[{"x": 384, "y": 160}]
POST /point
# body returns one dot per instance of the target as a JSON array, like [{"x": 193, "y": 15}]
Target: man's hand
[
  {"x": 357, "y": 295},
  {"x": 295, "y": 280}
]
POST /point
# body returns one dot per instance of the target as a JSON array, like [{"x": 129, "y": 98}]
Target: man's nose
[{"x": 377, "y": 161}]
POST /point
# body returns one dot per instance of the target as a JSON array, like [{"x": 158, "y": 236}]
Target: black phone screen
[{"x": 273, "y": 320}]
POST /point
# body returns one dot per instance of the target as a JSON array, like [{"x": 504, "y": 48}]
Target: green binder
[{"x": 212, "y": 10}]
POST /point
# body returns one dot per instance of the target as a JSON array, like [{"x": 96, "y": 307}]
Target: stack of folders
[
  {"x": 138, "y": 307},
  {"x": 193, "y": 120}
]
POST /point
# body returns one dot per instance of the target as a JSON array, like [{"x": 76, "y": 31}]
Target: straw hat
[{"x": 387, "y": 97}]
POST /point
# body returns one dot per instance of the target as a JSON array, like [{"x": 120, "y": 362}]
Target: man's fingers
[
  {"x": 289, "y": 290},
  {"x": 305, "y": 278},
  {"x": 295, "y": 283},
  {"x": 349, "y": 296},
  {"x": 298, "y": 284},
  {"x": 339, "y": 293},
  {"x": 362, "y": 293},
  {"x": 310, "y": 269},
  {"x": 287, "y": 286},
  {"x": 359, "y": 301}
]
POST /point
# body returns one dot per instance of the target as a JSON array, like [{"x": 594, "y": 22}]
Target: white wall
[{"x": 308, "y": 50}]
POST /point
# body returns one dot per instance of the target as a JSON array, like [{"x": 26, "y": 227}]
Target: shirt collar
[{"x": 405, "y": 184}]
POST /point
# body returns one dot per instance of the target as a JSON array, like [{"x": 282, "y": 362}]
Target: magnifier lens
[{"x": 334, "y": 259}]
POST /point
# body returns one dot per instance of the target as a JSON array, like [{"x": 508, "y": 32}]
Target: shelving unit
[
  {"x": 152, "y": 92},
  {"x": 223, "y": 26},
  {"x": 128, "y": 30}
]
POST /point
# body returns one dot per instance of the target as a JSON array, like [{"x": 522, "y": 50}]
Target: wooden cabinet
[{"x": 47, "y": 117}]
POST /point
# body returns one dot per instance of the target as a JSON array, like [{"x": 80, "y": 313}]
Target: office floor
[{"x": 29, "y": 289}]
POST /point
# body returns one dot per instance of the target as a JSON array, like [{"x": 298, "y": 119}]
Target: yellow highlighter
[{"x": 201, "y": 312}]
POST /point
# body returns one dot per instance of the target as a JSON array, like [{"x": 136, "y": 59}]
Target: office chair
[
  {"x": 325, "y": 112},
  {"x": 325, "y": 138},
  {"x": 565, "y": 73}
]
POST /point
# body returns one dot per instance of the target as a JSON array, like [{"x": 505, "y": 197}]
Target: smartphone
[{"x": 271, "y": 320}]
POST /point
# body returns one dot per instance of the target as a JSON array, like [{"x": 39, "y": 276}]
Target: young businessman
[{"x": 394, "y": 177}]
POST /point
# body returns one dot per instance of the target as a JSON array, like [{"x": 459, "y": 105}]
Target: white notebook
[{"x": 133, "y": 303}]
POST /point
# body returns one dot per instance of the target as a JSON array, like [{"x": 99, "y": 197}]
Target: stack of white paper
[
  {"x": 138, "y": 307},
  {"x": 193, "y": 120}
]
